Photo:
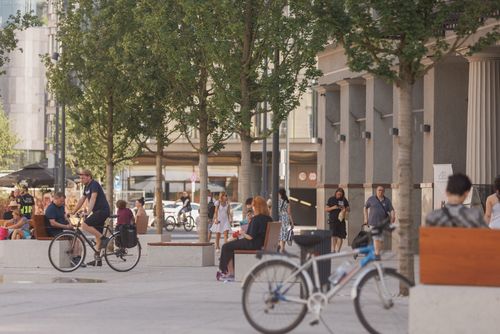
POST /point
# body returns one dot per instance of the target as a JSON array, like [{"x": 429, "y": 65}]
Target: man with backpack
[{"x": 211, "y": 212}]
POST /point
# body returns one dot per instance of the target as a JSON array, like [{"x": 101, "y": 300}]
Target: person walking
[
  {"x": 211, "y": 204},
  {"x": 338, "y": 208},
  {"x": 222, "y": 221},
  {"x": 285, "y": 218},
  {"x": 492, "y": 212},
  {"x": 377, "y": 209}
]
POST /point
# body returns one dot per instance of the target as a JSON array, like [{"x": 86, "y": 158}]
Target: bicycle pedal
[{"x": 314, "y": 322}]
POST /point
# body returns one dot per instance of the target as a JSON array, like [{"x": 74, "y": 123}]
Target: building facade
[{"x": 456, "y": 119}]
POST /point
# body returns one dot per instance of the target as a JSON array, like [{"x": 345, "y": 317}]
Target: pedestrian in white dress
[
  {"x": 223, "y": 219},
  {"x": 492, "y": 212}
]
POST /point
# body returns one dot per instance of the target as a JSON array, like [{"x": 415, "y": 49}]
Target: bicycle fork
[{"x": 382, "y": 290}]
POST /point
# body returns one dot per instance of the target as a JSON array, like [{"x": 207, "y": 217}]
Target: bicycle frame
[
  {"x": 79, "y": 232},
  {"x": 314, "y": 285}
]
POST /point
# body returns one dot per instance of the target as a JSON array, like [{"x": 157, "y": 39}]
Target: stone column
[
  {"x": 483, "y": 119},
  {"x": 352, "y": 149},
  {"x": 328, "y": 151}
]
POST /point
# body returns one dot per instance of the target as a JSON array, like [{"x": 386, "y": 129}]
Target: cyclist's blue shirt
[{"x": 101, "y": 203}]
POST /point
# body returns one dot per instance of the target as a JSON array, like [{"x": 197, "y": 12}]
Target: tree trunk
[
  {"x": 203, "y": 224},
  {"x": 109, "y": 155},
  {"x": 159, "y": 187},
  {"x": 405, "y": 179},
  {"x": 245, "y": 169}
]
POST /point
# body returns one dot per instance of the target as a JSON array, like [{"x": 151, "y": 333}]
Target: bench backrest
[
  {"x": 459, "y": 256},
  {"x": 38, "y": 223},
  {"x": 271, "y": 241},
  {"x": 142, "y": 224}
]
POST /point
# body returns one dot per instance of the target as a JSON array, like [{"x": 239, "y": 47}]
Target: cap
[{"x": 13, "y": 203}]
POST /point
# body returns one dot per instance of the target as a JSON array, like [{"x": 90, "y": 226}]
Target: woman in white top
[
  {"x": 223, "y": 217},
  {"x": 492, "y": 212}
]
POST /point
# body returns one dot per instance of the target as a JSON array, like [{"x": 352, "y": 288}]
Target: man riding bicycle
[{"x": 97, "y": 205}]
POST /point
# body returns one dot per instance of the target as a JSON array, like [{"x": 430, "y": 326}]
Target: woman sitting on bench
[
  {"x": 253, "y": 239},
  {"x": 20, "y": 225}
]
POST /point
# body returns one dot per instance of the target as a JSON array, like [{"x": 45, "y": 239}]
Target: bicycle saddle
[{"x": 307, "y": 241}]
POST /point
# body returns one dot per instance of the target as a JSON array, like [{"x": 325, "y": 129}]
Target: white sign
[{"x": 441, "y": 174}]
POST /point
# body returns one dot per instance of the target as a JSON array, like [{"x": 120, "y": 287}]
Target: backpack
[{"x": 211, "y": 209}]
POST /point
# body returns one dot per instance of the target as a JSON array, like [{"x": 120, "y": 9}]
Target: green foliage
[
  {"x": 247, "y": 34},
  {"x": 7, "y": 141},
  {"x": 8, "y": 41},
  {"x": 379, "y": 35},
  {"x": 92, "y": 79},
  {"x": 198, "y": 49}
]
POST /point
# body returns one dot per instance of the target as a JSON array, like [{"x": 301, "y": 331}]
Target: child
[
  {"x": 125, "y": 215},
  {"x": 20, "y": 226}
]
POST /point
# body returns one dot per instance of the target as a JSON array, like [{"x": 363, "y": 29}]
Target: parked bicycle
[
  {"x": 277, "y": 292},
  {"x": 171, "y": 222},
  {"x": 68, "y": 249}
]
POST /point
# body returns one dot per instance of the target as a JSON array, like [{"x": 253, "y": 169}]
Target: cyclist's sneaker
[{"x": 75, "y": 260}]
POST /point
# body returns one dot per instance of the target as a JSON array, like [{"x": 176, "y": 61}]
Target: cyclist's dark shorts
[{"x": 97, "y": 220}]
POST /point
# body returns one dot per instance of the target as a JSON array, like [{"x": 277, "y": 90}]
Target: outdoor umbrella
[{"x": 35, "y": 175}]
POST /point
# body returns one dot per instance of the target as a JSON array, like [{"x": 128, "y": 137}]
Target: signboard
[{"x": 441, "y": 173}]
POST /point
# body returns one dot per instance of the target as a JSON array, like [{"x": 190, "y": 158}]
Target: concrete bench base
[
  {"x": 145, "y": 239},
  {"x": 172, "y": 254},
  {"x": 242, "y": 265},
  {"x": 443, "y": 309},
  {"x": 29, "y": 254}
]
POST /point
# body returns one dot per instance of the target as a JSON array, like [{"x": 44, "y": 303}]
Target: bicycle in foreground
[
  {"x": 277, "y": 292},
  {"x": 185, "y": 219},
  {"x": 68, "y": 249}
]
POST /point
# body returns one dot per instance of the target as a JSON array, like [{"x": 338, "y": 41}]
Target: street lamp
[{"x": 60, "y": 145}]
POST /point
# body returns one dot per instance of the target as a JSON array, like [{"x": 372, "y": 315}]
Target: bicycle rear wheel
[
  {"x": 189, "y": 224},
  {"x": 383, "y": 310},
  {"x": 67, "y": 252},
  {"x": 271, "y": 300},
  {"x": 120, "y": 258},
  {"x": 169, "y": 223}
]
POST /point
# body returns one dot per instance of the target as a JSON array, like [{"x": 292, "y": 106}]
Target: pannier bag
[{"x": 128, "y": 233}]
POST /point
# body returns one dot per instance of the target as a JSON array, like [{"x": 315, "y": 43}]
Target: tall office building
[{"x": 23, "y": 86}]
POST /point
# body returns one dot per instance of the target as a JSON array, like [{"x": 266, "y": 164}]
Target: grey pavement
[{"x": 147, "y": 299}]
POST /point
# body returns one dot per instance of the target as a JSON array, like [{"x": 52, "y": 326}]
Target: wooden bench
[
  {"x": 180, "y": 254},
  {"x": 459, "y": 256},
  {"x": 142, "y": 224},
  {"x": 39, "y": 229},
  {"x": 244, "y": 260},
  {"x": 460, "y": 272}
]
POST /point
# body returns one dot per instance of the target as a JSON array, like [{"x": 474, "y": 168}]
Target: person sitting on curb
[
  {"x": 20, "y": 225},
  {"x": 454, "y": 213}
]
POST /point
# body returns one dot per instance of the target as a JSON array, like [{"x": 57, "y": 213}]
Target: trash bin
[{"x": 324, "y": 247}]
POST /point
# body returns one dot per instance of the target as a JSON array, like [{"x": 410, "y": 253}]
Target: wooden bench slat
[{"x": 459, "y": 256}]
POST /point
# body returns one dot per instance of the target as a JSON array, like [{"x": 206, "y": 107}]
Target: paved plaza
[{"x": 147, "y": 299}]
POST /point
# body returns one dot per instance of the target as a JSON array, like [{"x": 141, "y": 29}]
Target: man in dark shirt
[
  {"x": 97, "y": 207},
  {"x": 377, "y": 209},
  {"x": 26, "y": 202},
  {"x": 55, "y": 218}
]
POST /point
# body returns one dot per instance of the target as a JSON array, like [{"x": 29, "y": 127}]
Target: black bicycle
[{"x": 68, "y": 249}]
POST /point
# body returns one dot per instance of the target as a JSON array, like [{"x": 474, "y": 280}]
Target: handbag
[
  {"x": 362, "y": 239},
  {"x": 289, "y": 235},
  {"x": 4, "y": 233}
]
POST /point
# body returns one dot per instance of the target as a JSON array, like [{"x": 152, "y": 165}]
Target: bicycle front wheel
[
  {"x": 120, "y": 258},
  {"x": 67, "y": 252},
  {"x": 273, "y": 300},
  {"x": 382, "y": 305},
  {"x": 170, "y": 223},
  {"x": 189, "y": 224}
]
